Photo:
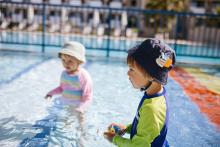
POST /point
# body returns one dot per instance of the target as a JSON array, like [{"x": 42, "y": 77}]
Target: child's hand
[
  {"x": 109, "y": 136},
  {"x": 48, "y": 96},
  {"x": 114, "y": 129},
  {"x": 119, "y": 129},
  {"x": 78, "y": 109}
]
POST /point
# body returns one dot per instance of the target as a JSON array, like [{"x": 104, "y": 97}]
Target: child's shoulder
[{"x": 83, "y": 71}]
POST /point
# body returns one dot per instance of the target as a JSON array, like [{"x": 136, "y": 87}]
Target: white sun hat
[{"x": 74, "y": 49}]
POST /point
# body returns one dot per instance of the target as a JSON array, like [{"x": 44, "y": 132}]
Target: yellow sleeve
[{"x": 150, "y": 123}]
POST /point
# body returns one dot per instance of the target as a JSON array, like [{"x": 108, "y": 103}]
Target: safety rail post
[
  {"x": 109, "y": 31},
  {"x": 43, "y": 27}
]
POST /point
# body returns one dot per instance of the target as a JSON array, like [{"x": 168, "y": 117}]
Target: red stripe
[{"x": 207, "y": 101}]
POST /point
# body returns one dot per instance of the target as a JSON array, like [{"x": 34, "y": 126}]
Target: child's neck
[
  {"x": 154, "y": 89},
  {"x": 72, "y": 72}
]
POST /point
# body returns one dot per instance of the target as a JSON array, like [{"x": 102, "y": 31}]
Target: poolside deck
[{"x": 203, "y": 89}]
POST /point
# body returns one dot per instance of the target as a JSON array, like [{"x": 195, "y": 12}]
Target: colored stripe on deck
[
  {"x": 207, "y": 100},
  {"x": 211, "y": 82}
]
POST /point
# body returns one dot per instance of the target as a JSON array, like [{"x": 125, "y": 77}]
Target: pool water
[
  {"x": 27, "y": 119},
  {"x": 11, "y": 65},
  {"x": 32, "y": 41}
]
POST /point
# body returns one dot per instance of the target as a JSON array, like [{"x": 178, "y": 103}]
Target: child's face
[
  {"x": 137, "y": 77},
  {"x": 70, "y": 63}
]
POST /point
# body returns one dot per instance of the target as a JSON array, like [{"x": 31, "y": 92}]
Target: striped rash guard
[
  {"x": 75, "y": 88},
  {"x": 149, "y": 127}
]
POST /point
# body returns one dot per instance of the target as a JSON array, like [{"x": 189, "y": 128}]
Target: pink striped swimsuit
[{"x": 75, "y": 88}]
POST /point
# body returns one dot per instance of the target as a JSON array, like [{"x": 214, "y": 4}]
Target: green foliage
[
  {"x": 213, "y": 22},
  {"x": 218, "y": 10},
  {"x": 169, "y": 5},
  {"x": 163, "y": 23}
]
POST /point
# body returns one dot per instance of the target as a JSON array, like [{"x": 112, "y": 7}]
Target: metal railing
[{"x": 109, "y": 29}]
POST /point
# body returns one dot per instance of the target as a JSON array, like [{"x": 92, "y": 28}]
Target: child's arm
[
  {"x": 148, "y": 129},
  {"x": 57, "y": 90},
  {"x": 87, "y": 91}
]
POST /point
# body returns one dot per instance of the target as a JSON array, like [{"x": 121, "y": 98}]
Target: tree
[
  {"x": 168, "y": 5},
  {"x": 165, "y": 23}
]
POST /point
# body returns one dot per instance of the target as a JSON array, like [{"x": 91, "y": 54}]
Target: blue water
[
  {"x": 57, "y": 40},
  {"x": 53, "y": 43},
  {"x": 27, "y": 119},
  {"x": 12, "y": 65}
]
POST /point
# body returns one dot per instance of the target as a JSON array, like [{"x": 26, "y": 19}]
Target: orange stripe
[{"x": 208, "y": 101}]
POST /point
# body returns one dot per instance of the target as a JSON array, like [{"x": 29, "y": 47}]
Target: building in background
[{"x": 63, "y": 19}]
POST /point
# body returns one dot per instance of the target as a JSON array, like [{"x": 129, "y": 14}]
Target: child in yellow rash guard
[{"x": 149, "y": 64}]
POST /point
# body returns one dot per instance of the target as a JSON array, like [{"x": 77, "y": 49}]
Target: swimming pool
[
  {"x": 32, "y": 41},
  {"x": 27, "y": 119}
]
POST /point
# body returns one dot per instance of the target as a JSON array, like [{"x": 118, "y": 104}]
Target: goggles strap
[{"x": 148, "y": 85}]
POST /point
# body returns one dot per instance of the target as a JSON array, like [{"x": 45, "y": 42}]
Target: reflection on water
[{"x": 63, "y": 127}]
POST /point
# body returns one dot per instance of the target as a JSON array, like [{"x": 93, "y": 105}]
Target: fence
[{"x": 109, "y": 29}]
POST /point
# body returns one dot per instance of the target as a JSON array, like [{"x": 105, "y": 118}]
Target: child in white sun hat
[{"x": 75, "y": 82}]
